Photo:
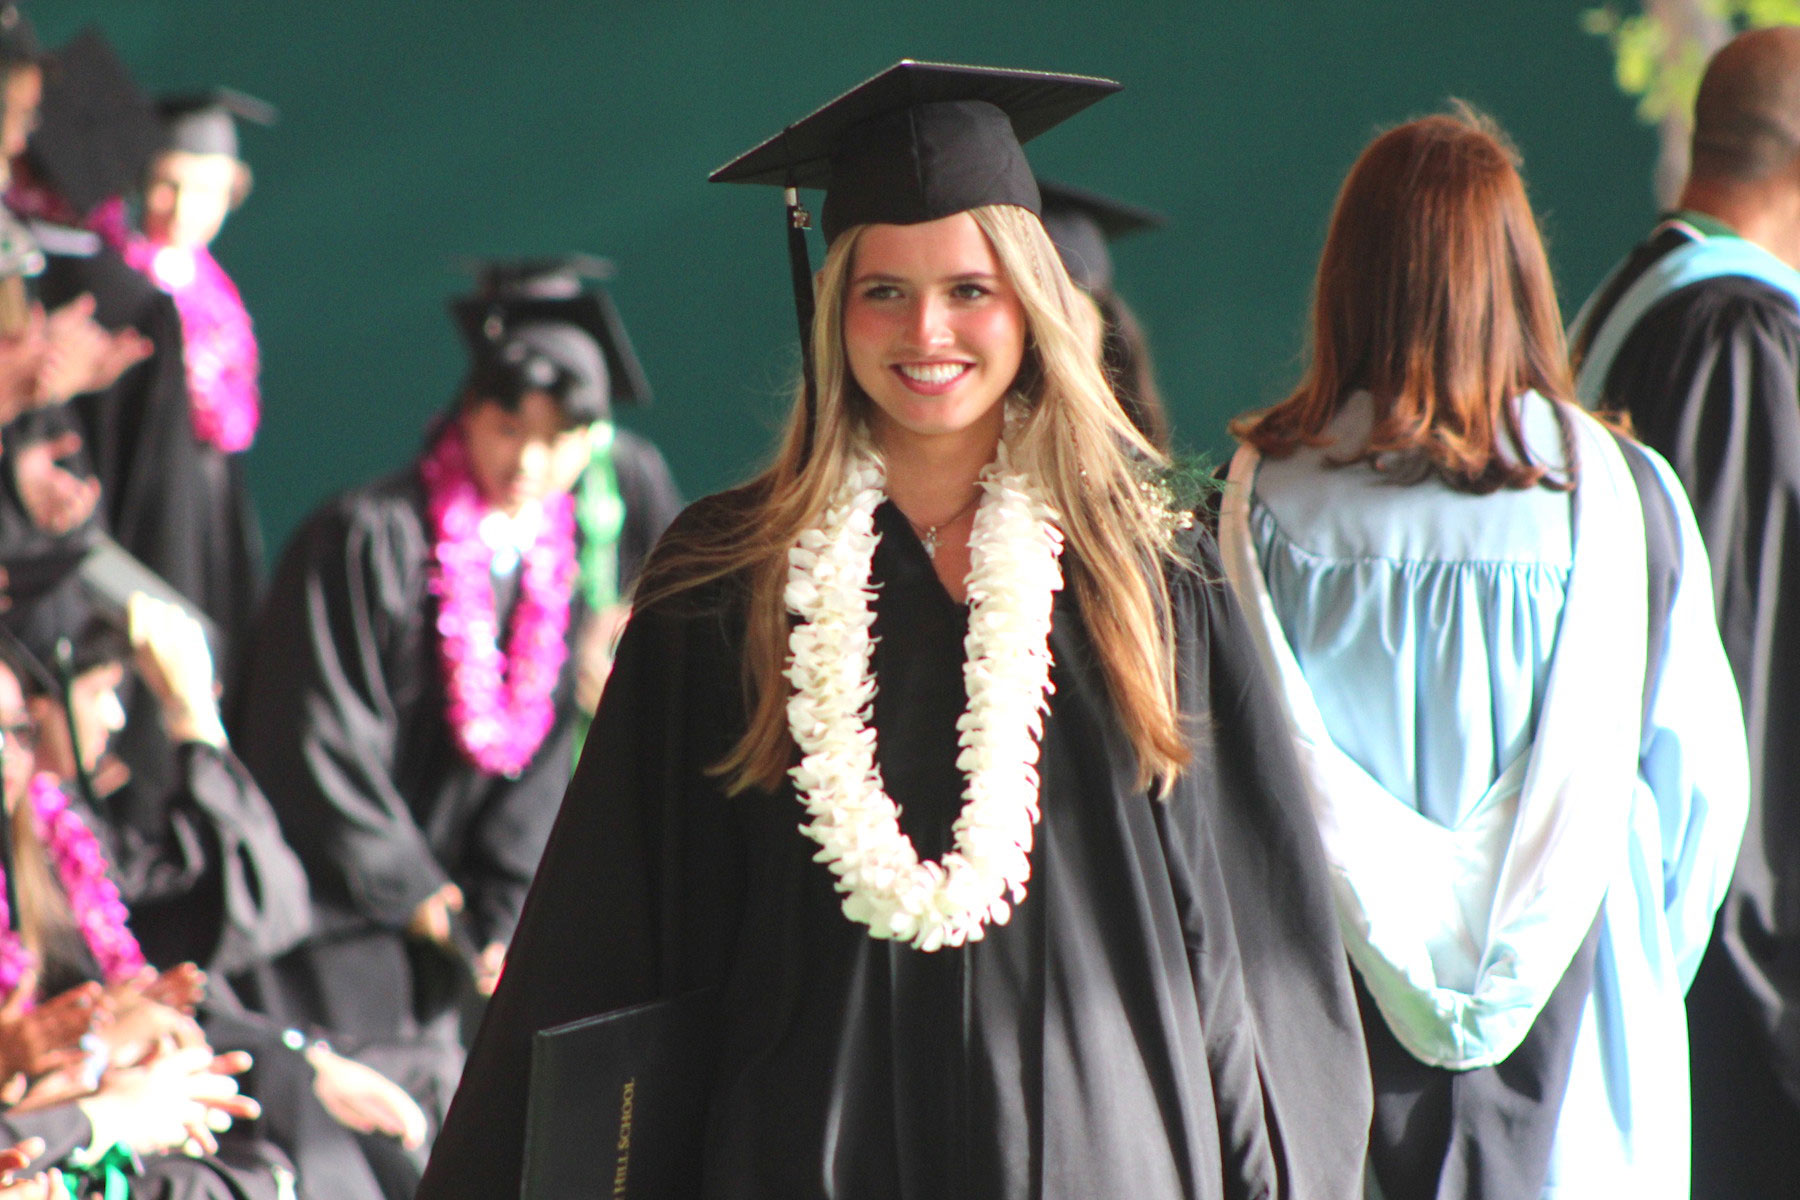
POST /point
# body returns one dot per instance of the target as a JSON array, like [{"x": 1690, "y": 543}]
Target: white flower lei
[{"x": 1012, "y": 581}]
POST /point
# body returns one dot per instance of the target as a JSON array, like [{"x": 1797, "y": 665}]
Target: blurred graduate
[{"x": 410, "y": 702}]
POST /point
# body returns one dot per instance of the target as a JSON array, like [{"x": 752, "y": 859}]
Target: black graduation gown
[
  {"x": 1711, "y": 378},
  {"x": 342, "y": 723},
  {"x": 179, "y": 504},
  {"x": 1168, "y": 1013},
  {"x": 203, "y": 867},
  {"x": 650, "y": 497},
  {"x": 44, "y": 602}
]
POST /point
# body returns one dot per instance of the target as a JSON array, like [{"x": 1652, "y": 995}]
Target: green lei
[
  {"x": 600, "y": 513},
  {"x": 106, "y": 1178}
]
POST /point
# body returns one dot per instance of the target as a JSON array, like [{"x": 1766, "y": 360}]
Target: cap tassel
[{"x": 800, "y": 263}]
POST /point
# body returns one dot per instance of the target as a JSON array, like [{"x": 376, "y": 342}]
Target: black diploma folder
[{"x": 618, "y": 1103}]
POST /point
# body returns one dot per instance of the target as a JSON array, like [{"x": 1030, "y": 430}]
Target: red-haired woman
[{"x": 1491, "y": 621}]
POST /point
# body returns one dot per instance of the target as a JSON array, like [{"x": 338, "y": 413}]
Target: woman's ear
[
  {"x": 818, "y": 281},
  {"x": 240, "y": 186}
]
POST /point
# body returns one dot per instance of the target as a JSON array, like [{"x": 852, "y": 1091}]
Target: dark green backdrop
[{"x": 414, "y": 133}]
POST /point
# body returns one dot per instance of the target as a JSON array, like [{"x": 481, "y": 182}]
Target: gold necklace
[{"x": 928, "y": 534}]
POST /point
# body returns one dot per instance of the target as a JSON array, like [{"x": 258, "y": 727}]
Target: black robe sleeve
[
  {"x": 204, "y": 868},
  {"x": 507, "y": 837},
  {"x": 319, "y": 724},
  {"x": 1298, "y": 1029},
  {"x": 1711, "y": 377}
]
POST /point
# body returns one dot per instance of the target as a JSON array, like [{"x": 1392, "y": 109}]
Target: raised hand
[
  {"x": 176, "y": 664},
  {"x": 56, "y": 499}
]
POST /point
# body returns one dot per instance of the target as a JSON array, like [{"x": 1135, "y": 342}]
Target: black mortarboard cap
[
  {"x": 529, "y": 315},
  {"x": 918, "y": 142},
  {"x": 206, "y": 122},
  {"x": 51, "y": 591},
  {"x": 18, "y": 40},
  {"x": 1081, "y": 223},
  {"x": 96, "y": 130}
]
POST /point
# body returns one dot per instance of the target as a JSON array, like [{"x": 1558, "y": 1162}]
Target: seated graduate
[
  {"x": 143, "y": 1083},
  {"x": 626, "y": 497},
  {"x": 207, "y": 879},
  {"x": 202, "y": 866},
  {"x": 409, "y": 707},
  {"x": 1082, "y": 223},
  {"x": 1053, "y": 922},
  {"x": 1491, "y": 620}
]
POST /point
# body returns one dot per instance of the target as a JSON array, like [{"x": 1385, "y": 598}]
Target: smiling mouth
[{"x": 934, "y": 374}]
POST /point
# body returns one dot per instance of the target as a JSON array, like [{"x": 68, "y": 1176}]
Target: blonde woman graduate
[{"x": 939, "y": 749}]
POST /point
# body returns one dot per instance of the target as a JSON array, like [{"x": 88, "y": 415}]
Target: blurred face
[
  {"x": 188, "y": 196},
  {"x": 524, "y": 457},
  {"x": 23, "y": 92},
  {"x": 18, "y": 741},
  {"x": 99, "y": 714},
  {"x": 933, "y": 331}
]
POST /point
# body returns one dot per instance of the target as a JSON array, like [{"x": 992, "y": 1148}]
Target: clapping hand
[
  {"x": 174, "y": 1099},
  {"x": 56, "y": 498},
  {"x": 14, "y": 1159},
  {"x": 152, "y": 1013},
  {"x": 34, "y": 1041},
  {"x": 84, "y": 356},
  {"x": 22, "y": 366}
]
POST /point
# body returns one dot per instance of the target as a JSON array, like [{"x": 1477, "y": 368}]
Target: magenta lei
[
  {"x": 500, "y": 708},
  {"x": 80, "y": 865},
  {"x": 218, "y": 346}
]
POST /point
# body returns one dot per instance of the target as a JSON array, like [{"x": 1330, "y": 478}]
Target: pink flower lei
[
  {"x": 94, "y": 900},
  {"x": 30, "y": 198},
  {"x": 218, "y": 346},
  {"x": 500, "y": 709}
]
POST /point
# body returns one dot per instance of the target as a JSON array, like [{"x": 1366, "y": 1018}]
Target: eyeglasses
[{"x": 20, "y": 735}]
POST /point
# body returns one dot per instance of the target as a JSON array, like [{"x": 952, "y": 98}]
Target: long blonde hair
[{"x": 1092, "y": 464}]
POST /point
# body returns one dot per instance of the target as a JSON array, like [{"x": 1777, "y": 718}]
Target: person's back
[
  {"x": 1428, "y": 622},
  {"x": 1489, "y": 619},
  {"x": 1696, "y": 335},
  {"x": 1424, "y": 618}
]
